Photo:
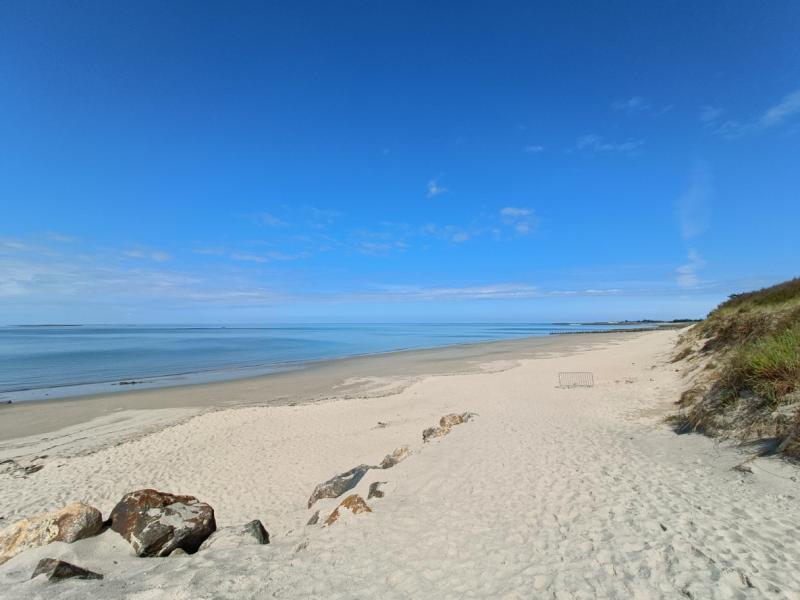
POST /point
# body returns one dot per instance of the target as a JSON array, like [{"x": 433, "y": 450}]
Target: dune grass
[
  {"x": 782, "y": 293},
  {"x": 754, "y": 339},
  {"x": 768, "y": 366},
  {"x": 749, "y": 317}
]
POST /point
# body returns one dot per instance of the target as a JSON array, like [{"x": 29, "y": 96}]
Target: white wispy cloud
[
  {"x": 522, "y": 220},
  {"x": 13, "y": 244},
  {"x": 514, "y": 212},
  {"x": 270, "y": 220},
  {"x": 320, "y": 218},
  {"x": 596, "y": 143},
  {"x": 710, "y": 114},
  {"x": 694, "y": 204},
  {"x": 533, "y": 148},
  {"x": 80, "y": 281},
  {"x": 434, "y": 189},
  {"x": 450, "y": 233},
  {"x": 247, "y": 257},
  {"x": 376, "y": 248},
  {"x": 210, "y": 251},
  {"x": 784, "y": 111},
  {"x": 686, "y": 274},
  {"x": 80, "y": 285},
  {"x": 638, "y": 105},
  {"x": 55, "y": 236},
  {"x": 631, "y": 105},
  {"x": 503, "y": 290},
  {"x": 283, "y": 256},
  {"x": 154, "y": 255},
  {"x": 496, "y": 291},
  {"x": 787, "y": 108}
]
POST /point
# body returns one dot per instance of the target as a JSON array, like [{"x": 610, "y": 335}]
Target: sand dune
[{"x": 547, "y": 492}]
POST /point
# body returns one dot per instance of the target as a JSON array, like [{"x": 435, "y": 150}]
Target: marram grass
[{"x": 769, "y": 366}]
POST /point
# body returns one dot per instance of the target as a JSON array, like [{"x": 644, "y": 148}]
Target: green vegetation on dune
[
  {"x": 751, "y": 316},
  {"x": 787, "y": 292},
  {"x": 749, "y": 386},
  {"x": 768, "y": 366}
]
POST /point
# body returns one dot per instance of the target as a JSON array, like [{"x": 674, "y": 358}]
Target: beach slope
[{"x": 545, "y": 491}]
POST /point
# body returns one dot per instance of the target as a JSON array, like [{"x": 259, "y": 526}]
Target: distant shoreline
[
  {"x": 118, "y": 380},
  {"x": 320, "y": 380}
]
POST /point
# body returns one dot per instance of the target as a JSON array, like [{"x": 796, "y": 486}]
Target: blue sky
[{"x": 376, "y": 161}]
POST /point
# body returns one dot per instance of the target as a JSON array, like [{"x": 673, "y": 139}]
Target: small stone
[
  {"x": 57, "y": 570},
  {"x": 374, "y": 490},
  {"x": 354, "y": 503},
  {"x": 399, "y": 455},
  {"x": 251, "y": 533},
  {"x": 434, "y": 432},
  {"x": 454, "y": 419},
  {"x": 73, "y": 522},
  {"x": 314, "y": 518},
  {"x": 338, "y": 485},
  {"x": 446, "y": 424}
]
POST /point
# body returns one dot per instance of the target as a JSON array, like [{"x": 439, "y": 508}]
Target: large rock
[
  {"x": 399, "y": 455},
  {"x": 252, "y": 533},
  {"x": 73, "y": 522},
  {"x": 156, "y": 523},
  {"x": 354, "y": 503},
  {"x": 338, "y": 485},
  {"x": 56, "y": 570}
]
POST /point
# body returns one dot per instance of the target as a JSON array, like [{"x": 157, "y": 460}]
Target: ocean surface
[{"x": 38, "y": 362}]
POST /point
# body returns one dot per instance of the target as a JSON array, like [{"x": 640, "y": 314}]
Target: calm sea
[{"x": 58, "y": 361}]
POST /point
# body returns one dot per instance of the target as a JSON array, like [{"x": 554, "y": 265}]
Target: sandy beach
[{"x": 546, "y": 492}]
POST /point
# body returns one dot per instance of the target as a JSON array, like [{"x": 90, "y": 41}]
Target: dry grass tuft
[{"x": 682, "y": 353}]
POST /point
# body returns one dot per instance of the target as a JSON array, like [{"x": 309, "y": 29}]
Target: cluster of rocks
[
  {"x": 446, "y": 424},
  {"x": 345, "y": 482},
  {"x": 154, "y": 524},
  {"x": 161, "y": 524}
]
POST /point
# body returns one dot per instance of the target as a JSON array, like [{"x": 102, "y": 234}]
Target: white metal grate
[{"x": 569, "y": 379}]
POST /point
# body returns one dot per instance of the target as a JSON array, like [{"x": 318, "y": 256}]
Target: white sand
[{"x": 551, "y": 493}]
